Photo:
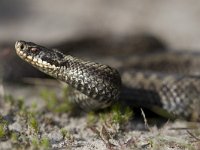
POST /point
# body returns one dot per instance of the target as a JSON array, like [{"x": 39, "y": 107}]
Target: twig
[
  {"x": 145, "y": 120},
  {"x": 192, "y": 135}
]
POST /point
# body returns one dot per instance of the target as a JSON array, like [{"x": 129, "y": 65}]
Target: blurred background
[
  {"x": 47, "y": 21},
  {"x": 95, "y": 26}
]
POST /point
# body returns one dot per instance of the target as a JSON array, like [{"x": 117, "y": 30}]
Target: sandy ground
[{"x": 63, "y": 130}]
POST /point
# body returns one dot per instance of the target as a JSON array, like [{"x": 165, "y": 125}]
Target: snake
[{"x": 166, "y": 82}]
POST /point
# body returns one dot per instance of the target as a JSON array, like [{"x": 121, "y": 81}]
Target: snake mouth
[
  {"x": 19, "y": 47},
  {"x": 22, "y": 52}
]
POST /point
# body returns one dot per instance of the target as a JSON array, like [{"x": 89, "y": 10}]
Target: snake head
[{"x": 39, "y": 56}]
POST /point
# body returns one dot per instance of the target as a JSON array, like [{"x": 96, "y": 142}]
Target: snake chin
[{"x": 34, "y": 61}]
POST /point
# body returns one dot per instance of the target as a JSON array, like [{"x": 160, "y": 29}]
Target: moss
[
  {"x": 33, "y": 123},
  {"x": 91, "y": 118},
  {"x": 14, "y": 137},
  {"x": 35, "y": 142},
  {"x": 50, "y": 98},
  {"x": 33, "y": 106},
  {"x": 64, "y": 107},
  {"x": 110, "y": 124},
  {"x": 9, "y": 99},
  {"x": 20, "y": 104},
  {"x": 120, "y": 115},
  {"x": 2, "y": 131},
  {"x": 56, "y": 104},
  {"x": 44, "y": 143},
  {"x": 64, "y": 132},
  {"x": 117, "y": 115},
  {"x": 3, "y": 127}
]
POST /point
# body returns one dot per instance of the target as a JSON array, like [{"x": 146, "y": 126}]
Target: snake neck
[{"x": 95, "y": 80}]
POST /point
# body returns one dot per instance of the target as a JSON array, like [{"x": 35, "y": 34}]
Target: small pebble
[
  {"x": 55, "y": 136},
  {"x": 15, "y": 127}
]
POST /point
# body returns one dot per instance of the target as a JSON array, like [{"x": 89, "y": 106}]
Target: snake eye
[{"x": 34, "y": 49}]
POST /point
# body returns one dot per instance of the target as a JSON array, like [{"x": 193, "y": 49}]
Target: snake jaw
[
  {"x": 18, "y": 51},
  {"x": 38, "y": 56}
]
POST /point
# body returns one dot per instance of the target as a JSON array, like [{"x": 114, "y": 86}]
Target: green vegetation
[
  {"x": 111, "y": 126},
  {"x": 40, "y": 144},
  {"x": 45, "y": 143},
  {"x": 3, "y": 127},
  {"x": 29, "y": 116},
  {"x": 117, "y": 114},
  {"x": 2, "y": 131},
  {"x": 92, "y": 118},
  {"x": 14, "y": 137},
  {"x": 56, "y": 104},
  {"x": 9, "y": 99},
  {"x": 64, "y": 132},
  {"x": 27, "y": 113},
  {"x": 33, "y": 123}
]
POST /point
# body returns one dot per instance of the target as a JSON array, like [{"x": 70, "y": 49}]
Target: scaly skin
[{"x": 97, "y": 86}]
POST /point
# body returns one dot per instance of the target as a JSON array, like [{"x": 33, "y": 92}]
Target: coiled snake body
[{"x": 97, "y": 86}]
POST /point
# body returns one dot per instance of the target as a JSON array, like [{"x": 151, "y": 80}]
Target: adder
[{"x": 167, "y": 81}]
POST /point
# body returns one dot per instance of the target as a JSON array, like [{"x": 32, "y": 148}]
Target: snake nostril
[{"x": 22, "y": 46}]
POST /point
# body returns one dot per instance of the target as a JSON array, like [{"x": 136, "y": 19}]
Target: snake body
[{"x": 97, "y": 86}]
